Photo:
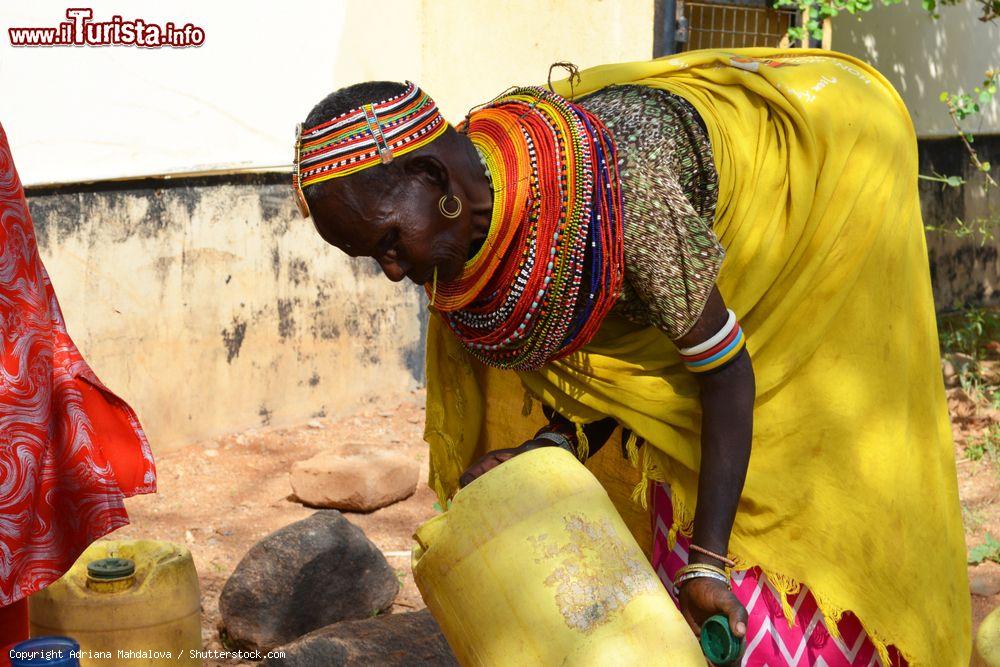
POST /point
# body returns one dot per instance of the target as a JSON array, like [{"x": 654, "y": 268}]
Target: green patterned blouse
[{"x": 669, "y": 188}]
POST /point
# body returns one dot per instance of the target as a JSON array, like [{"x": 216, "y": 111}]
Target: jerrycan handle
[{"x": 427, "y": 534}]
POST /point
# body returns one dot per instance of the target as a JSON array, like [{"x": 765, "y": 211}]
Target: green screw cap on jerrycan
[
  {"x": 110, "y": 568},
  {"x": 127, "y": 602},
  {"x": 718, "y": 643}
]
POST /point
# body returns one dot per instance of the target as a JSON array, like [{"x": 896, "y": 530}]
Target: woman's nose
[{"x": 393, "y": 269}]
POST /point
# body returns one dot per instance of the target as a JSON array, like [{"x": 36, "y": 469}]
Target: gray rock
[
  {"x": 949, "y": 374},
  {"x": 984, "y": 582},
  {"x": 954, "y": 366},
  {"x": 307, "y": 575},
  {"x": 393, "y": 640}
]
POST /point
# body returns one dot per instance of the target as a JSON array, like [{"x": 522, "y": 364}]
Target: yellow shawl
[{"x": 851, "y": 488}]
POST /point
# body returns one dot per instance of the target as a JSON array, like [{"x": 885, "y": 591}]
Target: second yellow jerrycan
[
  {"x": 532, "y": 565},
  {"x": 130, "y": 602}
]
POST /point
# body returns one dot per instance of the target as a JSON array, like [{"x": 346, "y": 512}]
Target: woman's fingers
[
  {"x": 473, "y": 472},
  {"x": 485, "y": 464},
  {"x": 735, "y": 612}
]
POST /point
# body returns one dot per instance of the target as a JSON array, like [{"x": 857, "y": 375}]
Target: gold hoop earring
[{"x": 451, "y": 215}]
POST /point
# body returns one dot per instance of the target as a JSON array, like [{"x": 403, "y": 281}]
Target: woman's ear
[{"x": 431, "y": 170}]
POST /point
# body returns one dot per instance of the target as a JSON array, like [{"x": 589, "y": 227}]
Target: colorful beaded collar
[
  {"x": 363, "y": 137},
  {"x": 551, "y": 266}
]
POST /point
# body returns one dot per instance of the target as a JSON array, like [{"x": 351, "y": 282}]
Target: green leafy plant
[
  {"x": 987, "y": 445},
  {"x": 950, "y": 181},
  {"x": 988, "y": 550},
  {"x": 972, "y": 519},
  {"x": 990, "y": 8},
  {"x": 963, "y": 105},
  {"x": 442, "y": 510},
  {"x": 984, "y": 229},
  {"x": 816, "y": 11},
  {"x": 968, "y": 330}
]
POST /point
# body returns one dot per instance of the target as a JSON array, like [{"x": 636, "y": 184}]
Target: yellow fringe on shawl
[
  {"x": 851, "y": 488},
  {"x": 582, "y": 443},
  {"x": 527, "y": 405}
]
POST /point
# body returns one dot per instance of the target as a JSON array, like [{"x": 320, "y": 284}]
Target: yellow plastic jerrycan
[
  {"x": 988, "y": 639},
  {"x": 532, "y": 565},
  {"x": 129, "y": 602}
]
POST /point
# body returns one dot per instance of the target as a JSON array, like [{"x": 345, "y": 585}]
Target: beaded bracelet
[
  {"x": 559, "y": 439},
  {"x": 712, "y": 554}
]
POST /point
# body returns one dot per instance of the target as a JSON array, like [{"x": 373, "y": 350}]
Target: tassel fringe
[
  {"x": 683, "y": 524},
  {"x": 582, "y": 444},
  {"x": 527, "y": 405}
]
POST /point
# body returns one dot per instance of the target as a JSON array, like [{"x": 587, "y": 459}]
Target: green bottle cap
[
  {"x": 110, "y": 568},
  {"x": 717, "y": 642}
]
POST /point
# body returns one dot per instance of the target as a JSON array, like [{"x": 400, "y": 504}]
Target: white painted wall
[
  {"x": 85, "y": 113},
  {"x": 923, "y": 57},
  {"x": 88, "y": 113}
]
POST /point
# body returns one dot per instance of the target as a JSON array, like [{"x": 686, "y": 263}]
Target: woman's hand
[
  {"x": 703, "y": 597},
  {"x": 492, "y": 459}
]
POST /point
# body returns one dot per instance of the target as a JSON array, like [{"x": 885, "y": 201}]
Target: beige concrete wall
[
  {"x": 212, "y": 307},
  {"x": 923, "y": 57}
]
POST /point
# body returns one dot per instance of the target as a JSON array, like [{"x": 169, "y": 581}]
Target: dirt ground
[
  {"x": 979, "y": 491},
  {"x": 221, "y": 496}
]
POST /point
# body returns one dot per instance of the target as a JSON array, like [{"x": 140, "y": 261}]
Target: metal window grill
[{"x": 730, "y": 24}]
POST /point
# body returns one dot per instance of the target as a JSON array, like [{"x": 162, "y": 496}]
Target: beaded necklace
[{"x": 551, "y": 265}]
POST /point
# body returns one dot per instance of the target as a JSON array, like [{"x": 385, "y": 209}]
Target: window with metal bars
[{"x": 725, "y": 24}]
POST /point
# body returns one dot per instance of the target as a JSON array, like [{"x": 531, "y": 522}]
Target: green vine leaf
[{"x": 988, "y": 550}]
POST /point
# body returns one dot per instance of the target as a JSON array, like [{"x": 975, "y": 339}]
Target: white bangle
[
  {"x": 688, "y": 576},
  {"x": 714, "y": 340}
]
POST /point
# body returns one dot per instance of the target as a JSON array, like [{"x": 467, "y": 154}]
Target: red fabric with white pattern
[
  {"x": 70, "y": 450},
  {"x": 769, "y": 640}
]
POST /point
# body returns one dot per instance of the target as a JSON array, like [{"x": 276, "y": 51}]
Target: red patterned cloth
[
  {"x": 70, "y": 450},
  {"x": 770, "y": 642},
  {"x": 13, "y": 628}
]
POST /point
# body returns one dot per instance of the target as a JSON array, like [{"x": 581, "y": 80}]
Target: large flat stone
[{"x": 354, "y": 482}]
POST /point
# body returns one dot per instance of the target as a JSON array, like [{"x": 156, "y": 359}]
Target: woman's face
[{"x": 398, "y": 224}]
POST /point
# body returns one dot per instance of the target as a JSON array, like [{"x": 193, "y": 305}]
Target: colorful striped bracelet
[{"x": 718, "y": 350}]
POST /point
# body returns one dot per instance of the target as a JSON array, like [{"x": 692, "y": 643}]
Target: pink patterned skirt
[{"x": 769, "y": 641}]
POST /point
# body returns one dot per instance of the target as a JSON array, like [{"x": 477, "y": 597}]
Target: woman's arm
[
  {"x": 727, "y": 398},
  {"x": 597, "y": 433}
]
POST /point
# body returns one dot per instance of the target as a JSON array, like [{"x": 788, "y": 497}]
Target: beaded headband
[{"x": 360, "y": 138}]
